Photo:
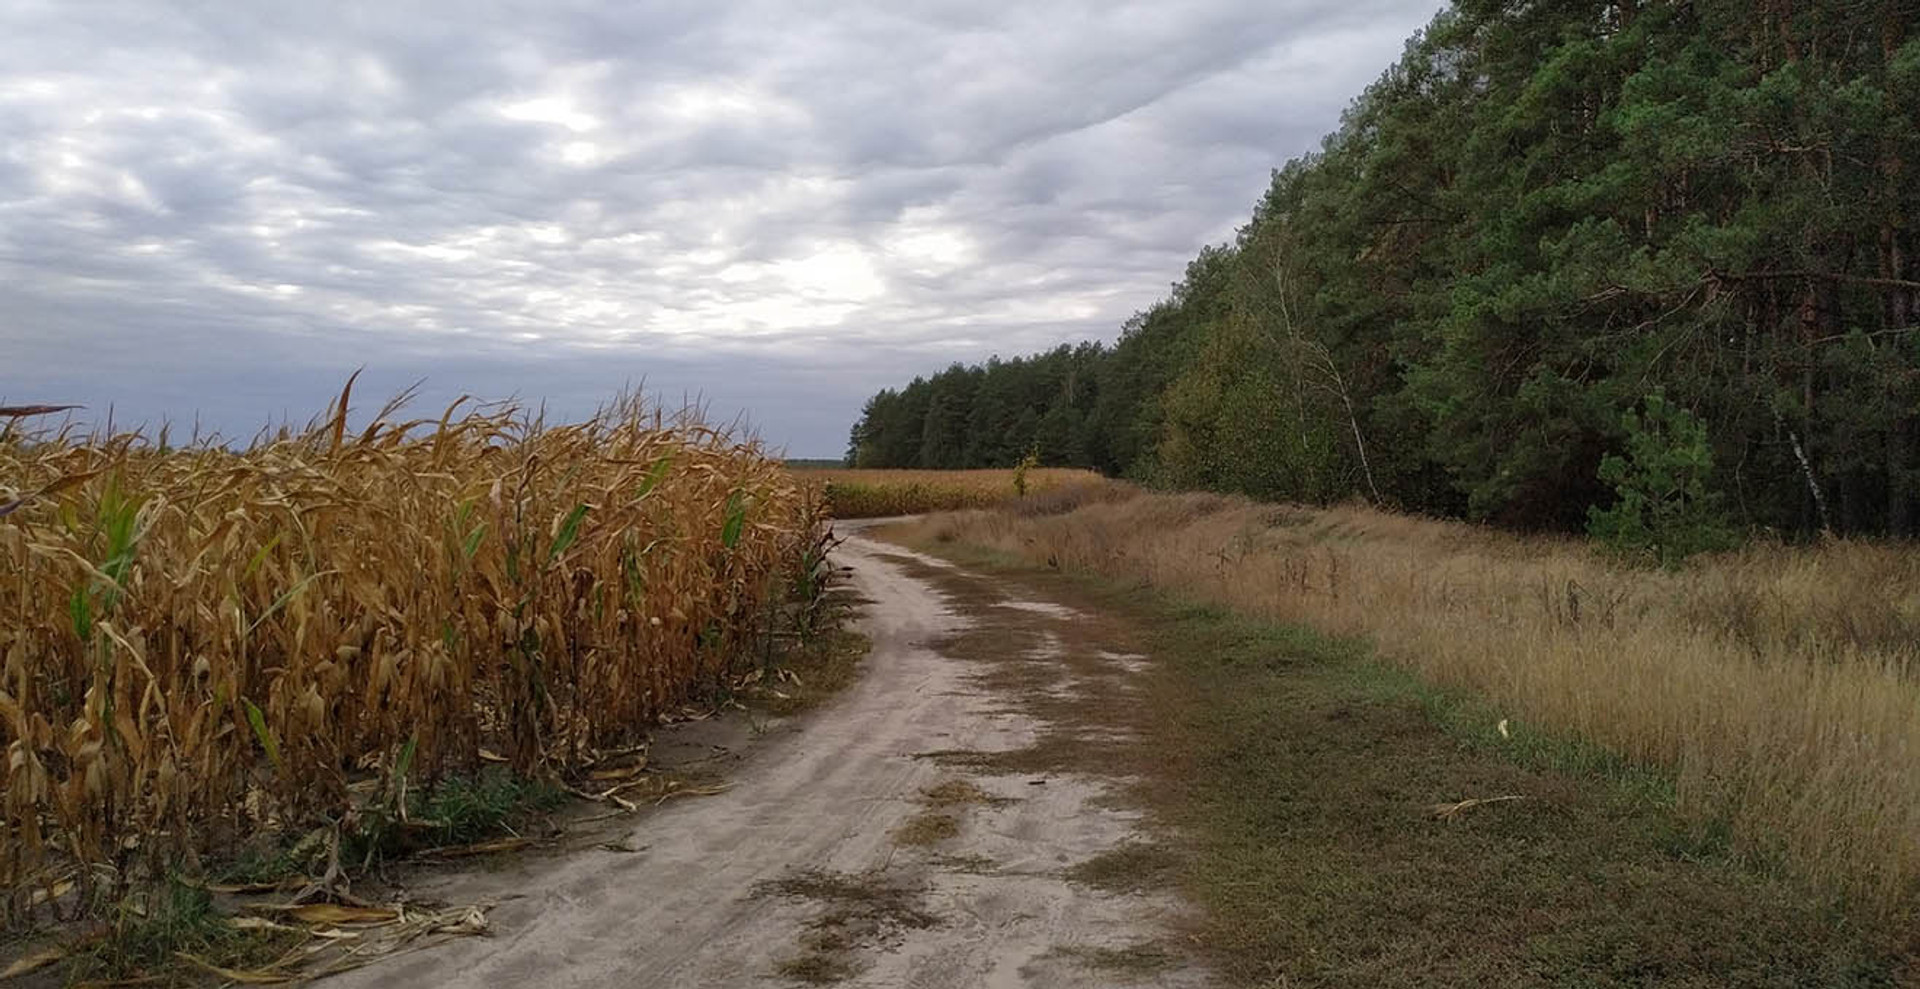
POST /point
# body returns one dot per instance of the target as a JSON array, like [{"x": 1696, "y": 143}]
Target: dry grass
[
  {"x": 859, "y": 909},
  {"x": 1127, "y": 869},
  {"x": 957, "y": 792},
  {"x": 1131, "y": 963},
  {"x": 854, "y": 494},
  {"x": 203, "y": 643},
  {"x": 1288, "y": 776},
  {"x": 1775, "y": 683},
  {"x": 926, "y": 828}
]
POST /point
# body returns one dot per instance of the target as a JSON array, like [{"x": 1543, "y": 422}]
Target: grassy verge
[
  {"x": 1343, "y": 823},
  {"x": 1776, "y": 682}
]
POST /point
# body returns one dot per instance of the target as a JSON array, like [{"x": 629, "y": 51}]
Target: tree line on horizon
[{"x": 1560, "y": 256}]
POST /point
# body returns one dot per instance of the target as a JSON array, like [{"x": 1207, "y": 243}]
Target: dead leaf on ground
[
  {"x": 261, "y": 924},
  {"x": 619, "y": 772},
  {"x": 460, "y": 921},
  {"x": 1446, "y": 812},
  {"x": 252, "y": 977},
  {"x": 612, "y": 795},
  {"x": 478, "y": 848},
  {"x": 693, "y": 791},
  {"x": 291, "y": 882},
  {"x": 33, "y": 961},
  {"x": 335, "y": 914},
  {"x": 53, "y": 892}
]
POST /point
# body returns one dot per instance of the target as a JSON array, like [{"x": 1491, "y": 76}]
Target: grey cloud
[{"x": 224, "y": 209}]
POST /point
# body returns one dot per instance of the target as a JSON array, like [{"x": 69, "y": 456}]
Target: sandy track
[{"x": 691, "y": 909}]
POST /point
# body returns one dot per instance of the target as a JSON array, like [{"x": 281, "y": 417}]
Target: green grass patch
[
  {"x": 257, "y": 861},
  {"x": 461, "y": 810},
  {"x": 167, "y": 936}
]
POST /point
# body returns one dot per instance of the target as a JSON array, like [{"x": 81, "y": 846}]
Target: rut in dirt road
[{"x": 917, "y": 831}]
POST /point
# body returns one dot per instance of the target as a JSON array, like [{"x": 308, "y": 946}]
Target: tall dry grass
[
  {"x": 1778, "y": 683},
  {"x": 199, "y": 643}
]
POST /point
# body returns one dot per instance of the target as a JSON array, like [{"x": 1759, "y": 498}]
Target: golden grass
[
  {"x": 202, "y": 643},
  {"x": 1777, "y": 683},
  {"x": 866, "y": 493}
]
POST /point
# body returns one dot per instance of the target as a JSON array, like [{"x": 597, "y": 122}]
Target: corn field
[{"x": 203, "y": 643}]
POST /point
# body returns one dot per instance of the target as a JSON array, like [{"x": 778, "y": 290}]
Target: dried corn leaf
[
  {"x": 620, "y": 773},
  {"x": 22, "y": 411},
  {"x": 34, "y": 961},
  {"x": 251, "y": 977},
  {"x": 53, "y": 892},
  {"x": 479, "y": 848},
  {"x": 291, "y": 882},
  {"x": 1447, "y": 812},
  {"x": 336, "y": 914},
  {"x": 693, "y": 791},
  {"x": 260, "y": 924}
]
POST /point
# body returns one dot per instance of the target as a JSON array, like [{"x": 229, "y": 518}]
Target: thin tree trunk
[
  {"x": 1293, "y": 360},
  {"x": 1813, "y": 486},
  {"x": 1339, "y": 389}
]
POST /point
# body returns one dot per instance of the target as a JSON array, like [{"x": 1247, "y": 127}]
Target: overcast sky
[{"x": 222, "y": 209}]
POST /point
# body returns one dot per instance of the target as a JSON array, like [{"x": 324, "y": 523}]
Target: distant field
[{"x": 857, "y": 494}]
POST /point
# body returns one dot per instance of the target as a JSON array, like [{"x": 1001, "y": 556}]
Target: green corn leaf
[
  {"x": 655, "y": 474},
  {"x": 261, "y": 556},
  {"x": 472, "y": 543},
  {"x": 281, "y": 601},
  {"x": 258, "y": 720},
  {"x": 569, "y": 531},
  {"x": 81, "y": 608},
  {"x": 736, "y": 520},
  {"x": 404, "y": 765}
]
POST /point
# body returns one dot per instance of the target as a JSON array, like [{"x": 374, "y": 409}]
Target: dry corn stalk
[{"x": 201, "y": 642}]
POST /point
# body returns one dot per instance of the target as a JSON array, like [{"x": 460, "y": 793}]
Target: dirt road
[{"x": 842, "y": 852}]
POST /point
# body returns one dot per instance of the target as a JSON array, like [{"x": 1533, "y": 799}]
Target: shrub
[{"x": 1663, "y": 509}]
